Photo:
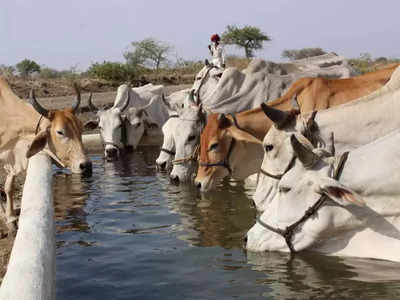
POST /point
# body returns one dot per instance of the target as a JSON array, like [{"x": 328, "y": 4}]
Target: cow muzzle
[
  {"x": 83, "y": 166},
  {"x": 111, "y": 153}
]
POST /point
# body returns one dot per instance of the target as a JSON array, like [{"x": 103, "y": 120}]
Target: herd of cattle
[{"x": 323, "y": 150}]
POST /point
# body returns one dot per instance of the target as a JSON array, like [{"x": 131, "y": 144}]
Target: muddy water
[{"x": 127, "y": 233}]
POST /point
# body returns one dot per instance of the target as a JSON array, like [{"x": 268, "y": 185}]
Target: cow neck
[
  {"x": 169, "y": 152},
  {"x": 202, "y": 82},
  {"x": 290, "y": 230}
]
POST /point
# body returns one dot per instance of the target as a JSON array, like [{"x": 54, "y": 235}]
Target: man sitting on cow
[{"x": 217, "y": 52}]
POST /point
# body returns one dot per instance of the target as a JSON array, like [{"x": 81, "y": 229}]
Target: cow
[
  {"x": 26, "y": 129},
  {"x": 191, "y": 121},
  {"x": 206, "y": 81},
  {"x": 237, "y": 91},
  {"x": 132, "y": 114},
  {"x": 174, "y": 103},
  {"x": 312, "y": 94},
  {"x": 334, "y": 205},
  {"x": 354, "y": 124}
]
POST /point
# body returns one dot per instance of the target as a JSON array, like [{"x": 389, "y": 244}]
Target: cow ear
[
  {"x": 223, "y": 122},
  {"x": 243, "y": 136},
  {"x": 339, "y": 192},
  {"x": 38, "y": 143},
  {"x": 279, "y": 117},
  {"x": 91, "y": 124}
]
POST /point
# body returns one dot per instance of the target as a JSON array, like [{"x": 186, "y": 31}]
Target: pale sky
[{"x": 65, "y": 33}]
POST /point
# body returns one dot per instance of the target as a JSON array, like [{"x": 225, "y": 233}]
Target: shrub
[
  {"x": 184, "y": 67},
  {"x": 49, "y": 73},
  {"x": 7, "y": 71},
  {"x": 112, "y": 71}
]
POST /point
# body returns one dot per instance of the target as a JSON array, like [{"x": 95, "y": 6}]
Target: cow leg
[
  {"x": 11, "y": 218},
  {"x": 2, "y": 199}
]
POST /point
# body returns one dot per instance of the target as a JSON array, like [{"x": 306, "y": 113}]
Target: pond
[{"x": 127, "y": 233}]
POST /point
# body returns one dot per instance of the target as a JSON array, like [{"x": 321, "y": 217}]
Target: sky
[{"x": 76, "y": 33}]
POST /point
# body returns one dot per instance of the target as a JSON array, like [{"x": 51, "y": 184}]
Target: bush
[
  {"x": 294, "y": 54},
  {"x": 7, "y": 71},
  {"x": 112, "y": 71},
  {"x": 184, "y": 67},
  {"x": 49, "y": 73}
]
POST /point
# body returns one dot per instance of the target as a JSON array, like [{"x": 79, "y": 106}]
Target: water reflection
[
  {"x": 212, "y": 219},
  {"x": 138, "y": 235},
  {"x": 311, "y": 275},
  {"x": 70, "y": 195}
]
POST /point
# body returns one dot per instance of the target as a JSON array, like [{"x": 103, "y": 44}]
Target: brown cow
[
  {"x": 28, "y": 129},
  {"x": 230, "y": 146}
]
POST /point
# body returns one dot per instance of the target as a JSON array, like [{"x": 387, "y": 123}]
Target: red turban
[{"x": 215, "y": 38}]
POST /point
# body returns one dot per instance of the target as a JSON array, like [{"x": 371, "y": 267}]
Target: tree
[
  {"x": 294, "y": 54},
  {"x": 249, "y": 37},
  {"x": 27, "y": 67},
  {"x": 148, "y": 52}
]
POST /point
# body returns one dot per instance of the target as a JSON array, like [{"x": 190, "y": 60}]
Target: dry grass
[{"x": 240, "y": 63}]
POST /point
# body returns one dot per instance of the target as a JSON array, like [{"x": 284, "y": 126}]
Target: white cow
[
  {"x": 174, "y": 102},
  {"x": 206, "y": 80},
  {"x": 354, "y": 124},
  {"x": 187, "y": 140},
  {"x": 134, "y": 111},
  {"x": 360, "y": 215}
]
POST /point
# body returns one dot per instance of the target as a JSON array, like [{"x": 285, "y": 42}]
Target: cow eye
[
  {"x": 213, "y": 147},
  {"x": 268, "y": 148},
  {"x": 284, "y": 189},
  {"x": 191, "y": 138},
  {"x": 136, "y": 125},
  {"x": 60, "y": 132},
  {"x": 198, "y": 78}
]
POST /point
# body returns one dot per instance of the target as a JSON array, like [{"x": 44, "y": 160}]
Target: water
[{"x": 127, "y": 233}]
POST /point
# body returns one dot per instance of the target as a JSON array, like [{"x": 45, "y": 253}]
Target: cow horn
[
  {"x": 305, "y": 155},
  {"x": 295, "y": 103},
  {"x": 332, "y": 149},
  {"x": 91, "y": 105},
  {"x": 164, "y": 100},
  {"x": 191, "y": 96},
  {"x": 40, "y": 109},
  {"x": 277, "y": 116},
  {"x": 78, "y": 98},
  {"x": 126, "y": 102}
]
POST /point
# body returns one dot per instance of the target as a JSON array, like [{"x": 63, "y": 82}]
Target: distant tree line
[{"x": 152, "y": 56}]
